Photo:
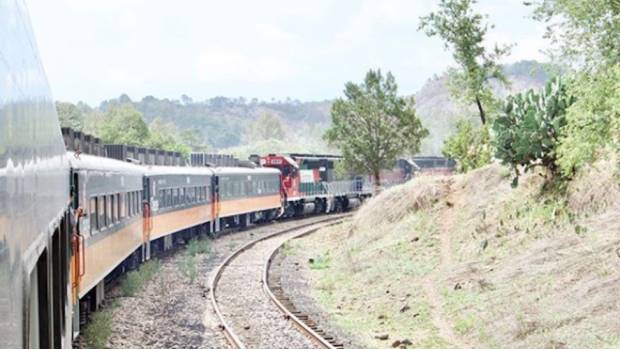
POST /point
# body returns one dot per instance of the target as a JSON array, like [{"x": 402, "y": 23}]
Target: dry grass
[{"x": 511, "y": 267}]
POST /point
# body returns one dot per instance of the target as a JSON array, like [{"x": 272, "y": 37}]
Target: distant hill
[{"x": 223, "y": 121}]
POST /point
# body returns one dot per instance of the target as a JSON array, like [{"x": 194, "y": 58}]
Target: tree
[
  {"x": 463, "y": 32},
  {"x": 123, "y": 124},
  {"x": 372, "y": 125},
  {"x": 70, "y": 115},
  {"x": 584, "y": 31},
  {"x": 164, "y": 136},
  {"x": 267, "y": 126},
  {"x": 193, "y": 139},
  {"x": 469, "y": 146}
]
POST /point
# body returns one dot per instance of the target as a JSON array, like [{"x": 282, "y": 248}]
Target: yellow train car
[
  {"x": 180, "y": 199},
  {"x": 246, "y": 195},
  {"x": 107, "y": 198}
]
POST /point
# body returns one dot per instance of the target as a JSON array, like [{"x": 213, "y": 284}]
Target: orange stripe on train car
[
  {"x": 247, "y": 205},
  {"x": 104, "y": 255},
  {"x": 170, "y": 222}
]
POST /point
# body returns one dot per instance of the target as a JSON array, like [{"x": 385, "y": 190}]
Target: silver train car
[{"x": 35, "y": 233}]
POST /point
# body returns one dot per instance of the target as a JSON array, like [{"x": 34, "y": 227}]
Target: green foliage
[
  {"x": 99, "y": 329},
  {"x": 583, "y": 30},
  {"x": 320, "y": 263},
  {"x": 527, "y": 132},
  {"x": 193, "y": 139},
  {"x": 593, "y": 122},
  {"x": 165, "y": 136},
  {"x": 123, "y": 124},
  {"x": 198, "y": 246},
  {"x": 267, "y": 126},
  {"x": 469, "y": 146},
  {"x": 372, "y": 125},
  {"x": 463, "y": 32},
  {"x": 188, "y": 267},
  {"x": 136, "y": 279},
  {"x": 69, "y": 115}
]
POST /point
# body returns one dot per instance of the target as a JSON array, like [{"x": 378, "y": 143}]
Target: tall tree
[
  {"x": 463, "y": 32},
  {"x": 372, "y": 125},
  {"x": 123, "y": 124}
]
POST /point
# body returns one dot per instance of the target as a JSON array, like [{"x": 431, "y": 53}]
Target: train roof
[
  {"x": 244, "y": 171},
  {"x": 152, "y": 170},
  {"x": 90, "y": 162}
]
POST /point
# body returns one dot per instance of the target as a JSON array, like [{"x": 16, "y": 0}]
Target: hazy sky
[{"x": 94, "y": 50}]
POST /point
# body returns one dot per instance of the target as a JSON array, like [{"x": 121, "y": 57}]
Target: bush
[
  {"x": 469, "y": 146},
  {"x": 99, "y": 329},
  {"x": 593, "y": 122},
  {"x": 188, "y": 268},
  {"x": 528, "y": 130},
  {"x": 136, "y": 279},
  {"x": 198, "y": 246}
]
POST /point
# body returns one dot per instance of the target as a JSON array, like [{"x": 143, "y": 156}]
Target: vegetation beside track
[{"x": 470, "y": 261}]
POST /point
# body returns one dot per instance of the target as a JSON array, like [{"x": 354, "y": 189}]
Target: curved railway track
[{"x": 250, "y": 314}]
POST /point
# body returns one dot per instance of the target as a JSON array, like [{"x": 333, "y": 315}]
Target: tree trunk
[
  {"x": 377, "y": 181},
  {"x": 481, "y": 110}
]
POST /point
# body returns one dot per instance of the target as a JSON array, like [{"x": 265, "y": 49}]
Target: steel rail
[{"x": 229, "y": 333}]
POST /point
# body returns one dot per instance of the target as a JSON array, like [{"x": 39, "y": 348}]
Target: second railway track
[{"x": 250, "y": 315}]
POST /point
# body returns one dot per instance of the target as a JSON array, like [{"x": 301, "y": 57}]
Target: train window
[
  {"x": 169, "y": 197},
  {"x": 104, "y": 220},
  {"x": 108, "y": 211},
  {"x": 139, "y": 202},
  {"x": 175, "y": 196},
  {"x": 183, "y": 195},
  {"x": 100, "y": 212},
  {"x": 162, "y": 198},
  {"x": 121, "y": 205},
  {"x": 114, "y": 210},
  {"x": 93, "y": 213},
  {"x": 129, "y": 204}
]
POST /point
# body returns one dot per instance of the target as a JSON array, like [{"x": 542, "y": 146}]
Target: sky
[{"x": 94, "y": 50}]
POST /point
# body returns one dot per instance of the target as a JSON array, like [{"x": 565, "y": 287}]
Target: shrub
[
  {"x": 135, "y": 279},
  {"x": 469, "y": 146},
  {"x": 131, "y": 284},
  {"x": 527, "y": 131},
  {"x": 198, "y": 246},
  {"x": 99, "y": 329},
  {"x": 593, "y": 122},
  {"x": 188, "y": 268}
]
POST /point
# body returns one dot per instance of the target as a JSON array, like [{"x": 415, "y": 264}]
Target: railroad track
[{"x": 253, "y": 316}]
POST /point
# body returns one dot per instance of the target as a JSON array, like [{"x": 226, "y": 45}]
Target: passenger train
[{"x": 71, "y": 221}]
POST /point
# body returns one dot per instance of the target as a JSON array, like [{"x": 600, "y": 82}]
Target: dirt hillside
[{"x": 467, "y": 261}]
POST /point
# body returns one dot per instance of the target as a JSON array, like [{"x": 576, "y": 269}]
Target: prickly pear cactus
[{"x": 528, "y": 129}]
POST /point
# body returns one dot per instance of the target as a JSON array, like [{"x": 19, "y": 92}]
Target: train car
[
  {"x": 35, "y": 233},
  {"x": 179, "y": 199},
  {"x": 107, "y": 198},
  {"x": 245, "y": 195}
]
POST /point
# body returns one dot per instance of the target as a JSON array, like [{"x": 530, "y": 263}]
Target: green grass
[
  {"x": 134, "y": 280},
  {"x": 188, "y": 267},
  {"x": 99, "y": 328},
  {"x": 199, "y": 246},
  {"x": 321, "y": 262}
]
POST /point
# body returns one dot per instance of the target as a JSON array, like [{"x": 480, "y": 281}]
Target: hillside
[
  {"x": 224, "y": 121},
  {"x": 468, "y": 261}
]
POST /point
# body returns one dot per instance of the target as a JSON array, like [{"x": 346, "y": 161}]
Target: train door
[
  {"x": 147, "y": 219},
  {"x": 77, "y": 259},
  {"x": 215, "y": 203}
]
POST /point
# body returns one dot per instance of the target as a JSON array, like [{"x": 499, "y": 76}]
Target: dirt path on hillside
[{"x": 435, "y": 300}]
